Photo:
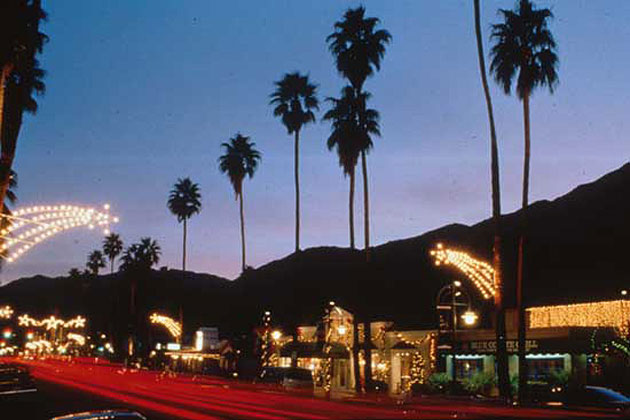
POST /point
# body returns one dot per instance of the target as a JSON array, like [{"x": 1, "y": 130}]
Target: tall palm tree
[
  {"x": 95, "y": 262},
  {"x": 184, "y": 201},
  {"x": 358, "y": 48},
  {"x": 294, "y": 99},
  {"x": 240, "y": 159},
  {"x": 20, "y": 75},
  {"x": 524, "y": 49},
  {"x": 112, "y": 247},
  {"x": 503, "y": 371},
  {"x": 352, "y": 127}
]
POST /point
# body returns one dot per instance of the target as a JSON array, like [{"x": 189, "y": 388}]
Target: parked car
[
  {"x": 287, "y": 378},
  {"x": 104, "y": 415},
  {"x": 15, "y": 381},
  {"x": 597, "y": 397}
]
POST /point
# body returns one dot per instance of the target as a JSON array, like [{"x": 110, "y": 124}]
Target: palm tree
[
  {"x": 294, "y": 99},
  {"x": 95, "y": 262},
  {"x": 240, "y": 159},
  {"x": 112, "y": 247},
  {"x": 142, "y": 255},
  {"x": 524, "y": 50},
  {"x": 137, "y": 261},
  {"x": 20, "y": 75},
  {"x": 503, "y": 371},
  {"x": 358, "y": 49},
  {"x": 74, "y": 273},
  {"x": 184, "y": 201},
  {"x": 352, "y": 126}
]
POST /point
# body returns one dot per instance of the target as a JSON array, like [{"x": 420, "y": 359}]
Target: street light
[
  {"x": 470, "y": 318},
  {"x": 276, "y": 335},
  {"x": 624, "y": 292},
  {"x": 449, "y": 298}
]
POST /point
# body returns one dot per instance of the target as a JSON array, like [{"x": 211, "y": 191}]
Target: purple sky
[{"x": 141, "y": 93}]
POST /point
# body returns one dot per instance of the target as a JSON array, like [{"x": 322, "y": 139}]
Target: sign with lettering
[{"x": 490, "y": 346}]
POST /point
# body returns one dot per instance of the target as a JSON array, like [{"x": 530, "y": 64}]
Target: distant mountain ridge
[{"x": 578, "y": 247}]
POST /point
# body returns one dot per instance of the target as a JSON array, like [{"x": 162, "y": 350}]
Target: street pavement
[{"x": 67, "y": 387}]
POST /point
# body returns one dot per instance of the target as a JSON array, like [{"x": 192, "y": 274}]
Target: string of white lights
[
  {"x": 479, "y": 272},
  {"x": 32, "y": 225}
]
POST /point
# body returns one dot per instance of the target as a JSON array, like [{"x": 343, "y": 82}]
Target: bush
[
  {"x": 558, "y": 378},
  {"x": 479, "y": 383},
  {"x": 438, "y": 382}
]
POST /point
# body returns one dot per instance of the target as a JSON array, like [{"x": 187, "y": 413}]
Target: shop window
[
  {"x": 540, "y": 369},
  {"x": 466, "y": 368}
]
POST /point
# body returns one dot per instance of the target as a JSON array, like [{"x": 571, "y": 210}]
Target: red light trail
[{"x": 208, "y": 398}]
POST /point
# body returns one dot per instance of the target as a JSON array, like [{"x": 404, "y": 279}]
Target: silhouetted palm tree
[
  {"x": 142, "y": 255},
  {"x": 184, "y": 201},
  {"x": 240, "y": 159},
  {"x": 358, "y": 49},
  {"x": 349, "y": 137},
  {"x": 112, "y": 247},
  {"x": 524, "y": 50},
  {"x": 95, "y": 262},
  {"x": 20, "y": 75},
  {"x": 294, "y": 99},
  {"x": 74, "y": 273},
  {"x": 502, "y": 366}
]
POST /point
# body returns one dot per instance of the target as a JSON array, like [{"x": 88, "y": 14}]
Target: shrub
[
  {"x": 438, "y": 382},
  {"x": 479, "y": 383}
]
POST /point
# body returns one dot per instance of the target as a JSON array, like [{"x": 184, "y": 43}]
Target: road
[{"x": 70, "y": 387}]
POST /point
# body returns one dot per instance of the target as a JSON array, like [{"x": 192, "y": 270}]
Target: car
[
  {"x": 15, "y": 381},
  {"x": 597, "y": 397},
  {"x": 104, "y": 415},
  {"x": 287, "y": 378}
]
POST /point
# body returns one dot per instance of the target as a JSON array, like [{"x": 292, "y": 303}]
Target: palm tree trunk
[
  {"x": 351, "y": 208},
  {"x": 6, "y": 160},
  {"x": 502, "y": 366},
  {"x": 240, "y": 196},
  {"x": 366, "y": 206},
  {"x": 297, "y": 190},
  {"x": 111, "y": 262},
  {"x": 181, "y": 308},
  {"x": 522, "y": 362}
]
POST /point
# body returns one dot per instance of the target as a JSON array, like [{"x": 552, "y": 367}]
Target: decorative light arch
[
  {"x": 31, "y": 225},
  {"x": 173, "y": 327},
  {"x": 479, "y": 272}
]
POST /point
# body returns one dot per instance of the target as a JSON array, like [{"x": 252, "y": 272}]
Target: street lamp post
[{"x": 454, "y": 290}]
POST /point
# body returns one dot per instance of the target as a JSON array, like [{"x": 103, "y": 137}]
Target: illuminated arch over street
[
  {"x": 30, "y": 226},
  {"x": 479, "y": 272}
]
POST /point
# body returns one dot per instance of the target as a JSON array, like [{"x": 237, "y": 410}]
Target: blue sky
[{"x": 141, "y": 93}]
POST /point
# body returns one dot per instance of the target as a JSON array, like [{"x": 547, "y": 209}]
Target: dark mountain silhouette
[{"x": 577, "y": 251}]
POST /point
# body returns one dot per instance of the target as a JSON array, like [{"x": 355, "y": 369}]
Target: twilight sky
[{"x": 141, "y": 93}]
